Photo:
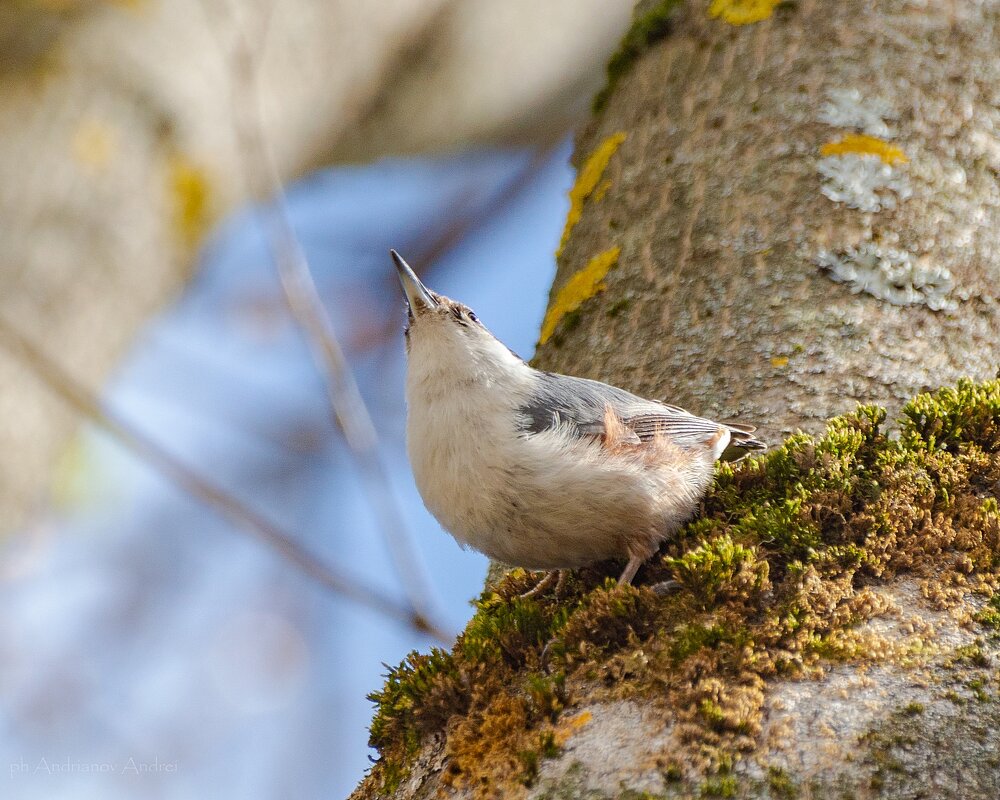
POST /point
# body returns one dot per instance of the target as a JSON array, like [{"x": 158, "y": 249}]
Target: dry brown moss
[{"x": 775, "y": 575}]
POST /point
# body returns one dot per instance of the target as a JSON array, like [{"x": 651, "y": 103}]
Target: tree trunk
[
  {"x": 719, "y": 301},
  {"x": 783, "y": 209}
]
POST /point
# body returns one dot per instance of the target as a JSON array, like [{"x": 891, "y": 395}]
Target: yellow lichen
[
  {"x": 94, "y": 143},
  {"x": 586, "y": 182},
  {"x": 190, "y": 198},
  {"x": 742, "y": 12},
  {"x": 862, "y": 144},
  {"x": 567, "y": 728},
  {"x": 779, "y": 361},
  {"x": 586, "y": 283}
]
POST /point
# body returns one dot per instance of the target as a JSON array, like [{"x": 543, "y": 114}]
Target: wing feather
[{"x": 583, "y": 403}]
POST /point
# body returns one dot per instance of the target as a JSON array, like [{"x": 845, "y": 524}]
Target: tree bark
[
  {"x": 782, "y": 210},
  {"x": 718, "y": 302}
]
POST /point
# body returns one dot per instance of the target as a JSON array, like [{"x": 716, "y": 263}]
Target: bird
[{"x": 541, "y": 470}]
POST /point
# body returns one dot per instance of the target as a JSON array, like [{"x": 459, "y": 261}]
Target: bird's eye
[{"x": 473, "y": 316}]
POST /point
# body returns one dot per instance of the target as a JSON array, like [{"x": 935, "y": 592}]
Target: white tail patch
[{"x": 720, "y": 441}]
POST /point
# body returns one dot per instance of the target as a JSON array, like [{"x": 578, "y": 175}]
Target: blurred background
[{"x": 172, "y": 173}]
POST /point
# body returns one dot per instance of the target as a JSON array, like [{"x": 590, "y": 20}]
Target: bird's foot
[
  {"x": 559, "y": 575},
  {"x": 663, "y": 588}
]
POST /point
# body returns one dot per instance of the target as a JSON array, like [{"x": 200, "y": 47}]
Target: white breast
[{"x": 461, "y": 445}]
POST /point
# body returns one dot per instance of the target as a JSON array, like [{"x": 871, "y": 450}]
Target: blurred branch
[
  {"x": 89, "y": 406},
  {"x": 303, "y": 299}
]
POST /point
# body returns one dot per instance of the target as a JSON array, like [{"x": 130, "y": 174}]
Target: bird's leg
[
  {"x": 561, "y": 582},
  {"x": 630, "y": 569},
  {"x": 638, "y": 553},
  {"x": 539, "y": 587}
]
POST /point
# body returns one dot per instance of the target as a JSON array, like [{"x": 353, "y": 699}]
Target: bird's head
[{"x": 444, "y": 334}]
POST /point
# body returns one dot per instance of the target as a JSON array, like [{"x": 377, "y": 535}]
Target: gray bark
[{"x": 716, "y": 202}]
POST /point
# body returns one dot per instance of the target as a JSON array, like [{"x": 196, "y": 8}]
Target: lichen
[
  {"x": 891, "y": 275},
  {"x": 648, "y": 27},
  {"x": 583, "y": 285},
  {"x": 190, "y": 195},
  {"x": 862, "y": 181},
  {"x": 587, "y": 181},
  {"x": 742, "y": 12},
  {"x": 862, "y": 144},
  {"x": 776, "y": 575},
  {"x": 847, "y": 108}
]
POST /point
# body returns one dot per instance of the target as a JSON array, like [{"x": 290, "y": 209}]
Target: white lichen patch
[
  {"x": 890, "y": 275},
  {"x": 862, "y": 181},
  {"x": 846, "y": 108}
]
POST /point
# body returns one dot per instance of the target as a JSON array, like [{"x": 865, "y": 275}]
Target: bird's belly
[{"x": 540, "y": 507}]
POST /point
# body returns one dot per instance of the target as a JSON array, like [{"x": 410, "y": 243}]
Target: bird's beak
[{"x": 416, "y": 293}]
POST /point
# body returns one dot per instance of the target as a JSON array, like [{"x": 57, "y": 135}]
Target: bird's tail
[{"x": 742, "y": 442}]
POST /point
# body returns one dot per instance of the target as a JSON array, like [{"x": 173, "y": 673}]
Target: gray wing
[{"x": 563, "y": 399}]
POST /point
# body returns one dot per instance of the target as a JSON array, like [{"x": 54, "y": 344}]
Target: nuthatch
[{"x": 539, "y": 470}]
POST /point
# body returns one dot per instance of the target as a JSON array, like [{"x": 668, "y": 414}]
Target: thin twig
[
  {"x": 303, "y": 299},
  {"x": 185, "y": 478}
]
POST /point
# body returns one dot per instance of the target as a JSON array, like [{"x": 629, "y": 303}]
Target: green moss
[
  {"x": 955, "y": 746},
  {"x": 990, "y": 615},
  {"x": 971, "y": 654},
  {"x": 912, "y": 709},
  {"x": 547, "y": 693},
  {"x": 508, "y": 629},
  {"x": 967, "y": 414},
  {"x": 720, "y": 786},
  {"x": 719, "y": 566},
  {"x": 772, "y": 579},
  {"x": 531, "y": 759},
  {"x": 649, "y": 26},
  {"x": 689, "y": 639},
  {"x": 978, "y": 687},
  {"x": 404, "y": 698},
  {"x": 780, "y": 784},
  {"x": 571, "y": 321}
]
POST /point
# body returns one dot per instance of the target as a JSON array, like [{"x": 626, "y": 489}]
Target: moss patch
[
  {"x": 649, "y": 26},
  {"x": 775, "y": 575}
]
